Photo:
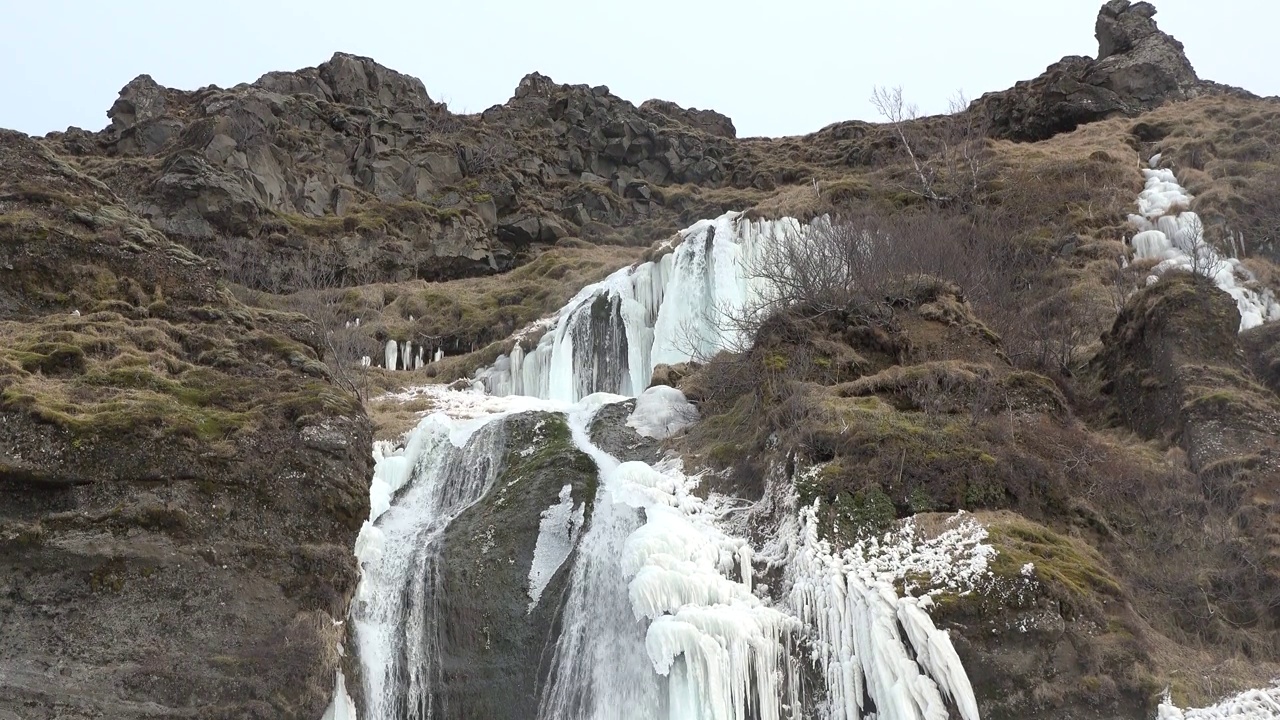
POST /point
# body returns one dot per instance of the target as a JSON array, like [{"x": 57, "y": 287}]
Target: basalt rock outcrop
[
  {"x": 1173, "y": 369},
  {"x": 349, "y": 172},
  {"x": 1138, "y": 68}
]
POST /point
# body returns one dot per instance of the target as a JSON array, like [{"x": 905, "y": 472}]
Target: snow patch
[
  {"x": 662, "y": 411},
  {"x": 557, "y": 534}
]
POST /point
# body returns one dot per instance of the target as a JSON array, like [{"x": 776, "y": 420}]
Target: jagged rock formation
[
  {"x": 1138, "y": 68},
  {"x": 180, "y": 484},
  {"x": 353, "y": 168}
]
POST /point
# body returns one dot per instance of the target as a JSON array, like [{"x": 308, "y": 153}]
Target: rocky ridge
[{"x": 1138, "y": 68}]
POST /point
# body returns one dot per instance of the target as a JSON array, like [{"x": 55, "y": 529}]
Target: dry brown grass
[{"x": 393, "y": 417}]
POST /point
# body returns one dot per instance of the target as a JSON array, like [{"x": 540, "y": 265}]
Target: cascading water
[
  {"x": 445, "y": 467},
  {"x": 661, "y": 618}
]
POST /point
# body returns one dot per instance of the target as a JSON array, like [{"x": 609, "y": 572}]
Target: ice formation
[
  {"x": 557, "y": 533},
  {"x": 661, "y": 621},
  {"x": 612, "y": 334},
  {"x": 874, "y": 644},
  {"x": 1248, "y": 705},
  {"x": 662, "y": 617},
  {"x": 661, "y": 412},
  {"x": 1174, "y": 236},
  {"x": 342, "y": 707},
  {"x": 391, "y": 355}
]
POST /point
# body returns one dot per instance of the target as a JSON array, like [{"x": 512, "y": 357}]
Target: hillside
[{"x": 197, "y": 304}]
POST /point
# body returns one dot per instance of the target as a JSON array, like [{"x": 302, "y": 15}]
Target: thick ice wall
[{"x": 613, "y": 333}]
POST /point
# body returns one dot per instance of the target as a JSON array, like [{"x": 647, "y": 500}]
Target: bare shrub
[
  {"x": 486, "y": 156},
  {"x": 345, "y": 343}
]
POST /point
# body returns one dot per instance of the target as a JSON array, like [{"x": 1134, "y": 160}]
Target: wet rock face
[
  {"x": 1138, "y": 68},
  {"x": 496, "y": 645}
]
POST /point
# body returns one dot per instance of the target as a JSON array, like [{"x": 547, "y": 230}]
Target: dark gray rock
[
  {"x": 496, "y": 649},
  {"x": 1138, "y": 68},
  {"x": 140, "y": 101},
  {"x": 708, "y": 121}
]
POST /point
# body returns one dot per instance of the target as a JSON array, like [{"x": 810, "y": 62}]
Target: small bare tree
[{"x": 948, "y": 155}]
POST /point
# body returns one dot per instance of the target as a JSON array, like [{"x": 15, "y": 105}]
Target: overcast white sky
[{"x": 777, "y": 68}]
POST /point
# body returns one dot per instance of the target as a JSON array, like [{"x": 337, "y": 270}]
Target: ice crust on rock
[
  {"x": 557, "y": 533},
  {"x": 1248, "y": 705},
  {"x": 661, "y": 412},
  {"x": 342, "y": 707},
  {"x": 1171, "y": 234}
]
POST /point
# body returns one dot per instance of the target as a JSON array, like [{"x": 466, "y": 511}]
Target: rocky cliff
[
  {"x": 356, "y": 167},
  {"x": 180, "y": 483}
]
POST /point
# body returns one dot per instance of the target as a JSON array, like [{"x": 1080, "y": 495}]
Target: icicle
[
  {"x": 392, "y": 354},
  {"x": 851, "y": 602},
  {"x": 366, "y": 361},
  {"x": 439, "y": 355}
]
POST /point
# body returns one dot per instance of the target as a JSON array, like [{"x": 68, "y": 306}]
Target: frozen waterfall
[
  {"x": 662, "y": 616},
  {"x": 612, "y": 334},
  {"x": 661, "y": 621},
  {"x": 1173, "y": 236}
]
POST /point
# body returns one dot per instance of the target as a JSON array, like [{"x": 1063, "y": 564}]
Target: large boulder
[{"x": 1138, "y": 68}]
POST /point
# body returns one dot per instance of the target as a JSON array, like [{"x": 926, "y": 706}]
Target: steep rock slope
[{"x": 180, "y": 484}]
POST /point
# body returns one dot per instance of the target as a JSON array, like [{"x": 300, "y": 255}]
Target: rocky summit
[{"x": 320, "y": 399}]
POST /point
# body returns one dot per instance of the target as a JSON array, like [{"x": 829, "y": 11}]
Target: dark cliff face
[{"x": 180, "y": 483}]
